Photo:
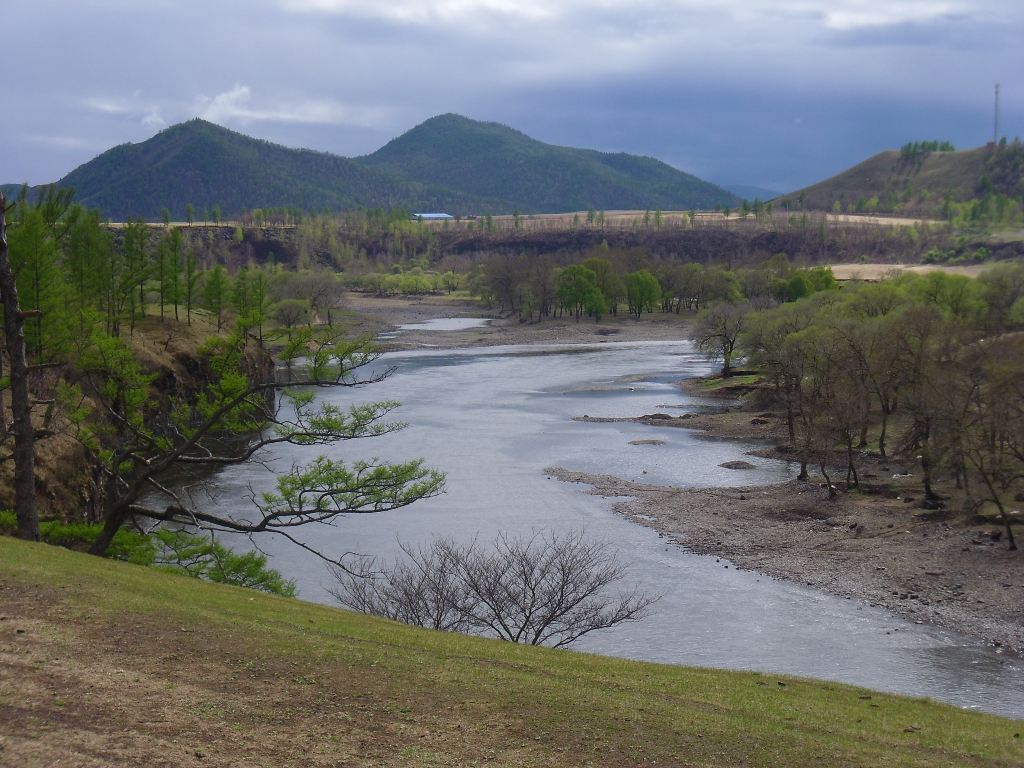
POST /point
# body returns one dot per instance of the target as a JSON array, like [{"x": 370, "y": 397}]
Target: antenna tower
[{"x": 995, "y": 129}]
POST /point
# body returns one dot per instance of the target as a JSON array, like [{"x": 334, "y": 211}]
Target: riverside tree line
[{"x": 924, "y": 366}]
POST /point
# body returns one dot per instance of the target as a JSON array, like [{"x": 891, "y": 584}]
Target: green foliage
[
  {"x": 642, "y": 291},
  {"x": 176, "y": 550},
  {"x": 915, "y": 149},
  {"x": 291, "y": 312},
  {"x": 203, "y": 557},
  {"x": 34, "y": 250},
  {"x": 321, "y": 489},
  {"x": 579, "y": 293}
]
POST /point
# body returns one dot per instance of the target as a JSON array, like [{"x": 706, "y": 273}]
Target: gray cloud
[{"x": 772, "y": 92}]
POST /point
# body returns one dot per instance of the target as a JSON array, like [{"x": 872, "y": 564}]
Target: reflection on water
[{"x": 493, "y": 419}]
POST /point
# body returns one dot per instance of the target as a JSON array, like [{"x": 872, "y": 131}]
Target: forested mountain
[
  {"x": 448, "y": 163},
  {"x": 201, "y": 163},
  {"x": 502, "y": 169},
  {"x": 922, "y": 178}
]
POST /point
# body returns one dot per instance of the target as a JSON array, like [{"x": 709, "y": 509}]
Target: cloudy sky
[{"x": 775, "y": 93}]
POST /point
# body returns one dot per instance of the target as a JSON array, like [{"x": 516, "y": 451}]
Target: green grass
[
  {"x": 718, "y": 383},
  {"x": 384, "y": 694}
]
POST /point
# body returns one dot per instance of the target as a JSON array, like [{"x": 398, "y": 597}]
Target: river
[{"x": 494, "y": 418}]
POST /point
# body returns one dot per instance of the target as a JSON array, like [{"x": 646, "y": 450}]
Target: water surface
[{"x": 494, "y": 418}]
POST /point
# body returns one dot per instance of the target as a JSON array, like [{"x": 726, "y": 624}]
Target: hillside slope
[
  {"x": 913, "y": 184},
  {"x": 201, "y": 163},
  {"x": 506, "y": 170},
  {"x": 449, "y": 163},
  {"x": 104, "y": 663}
]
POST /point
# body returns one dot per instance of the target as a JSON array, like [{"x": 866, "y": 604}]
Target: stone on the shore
[{"x": 737, "y": 465}]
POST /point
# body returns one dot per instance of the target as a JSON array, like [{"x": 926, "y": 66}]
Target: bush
[{"x": 179, "y": 551}]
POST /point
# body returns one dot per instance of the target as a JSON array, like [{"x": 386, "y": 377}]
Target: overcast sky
[{"x": 775, "y": 93}]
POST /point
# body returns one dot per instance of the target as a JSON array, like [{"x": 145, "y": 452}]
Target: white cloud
[
  {"x": 441, "y": 11},
  {"x": 109, "y": 106},
  {"x": 858, "y": 14},
  {"x": 236, "y": 106},
  {"x": 149, "y": 115},
  {"x": 154, "y": 118},
  {"x": 67, "y": 143}
]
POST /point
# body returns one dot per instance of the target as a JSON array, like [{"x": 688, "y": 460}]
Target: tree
[
  {"x": 215, "y": 293},
  {"x": 135, "y": 450},
  {"x": 21, "y": 402},
  {"x": 718, "y": 332},
  {"x": 451, "y": 280},
  {"x": 191, "y": 279},
  {"x": 642, "y": 291},
  {"x": 291, "y": 312},
  {"x": 608, "y": 283},
  {"x": 984, "y": 421},
  {"x": 544, "y": 589},
  {"x": 33, "y": 255},
  {"x": 578, "y": 291},
  {"x": 138, "y": 268}
]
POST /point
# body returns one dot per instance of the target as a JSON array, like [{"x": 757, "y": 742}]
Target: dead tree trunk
[{"x": 21, "y": 405}]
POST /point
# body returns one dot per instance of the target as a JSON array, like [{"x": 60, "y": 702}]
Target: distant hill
[
  {"x": 10, "y": 190},
  {"x": 751, "y": 193},
  {"x": 915, "y": 183},
  {"x": 201, "y": 163},
  {"x": 503, "y": 169},
  {"x": 448, "y": 163}
]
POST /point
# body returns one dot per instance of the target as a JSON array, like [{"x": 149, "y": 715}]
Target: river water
[{"x": 493, "y": 418}]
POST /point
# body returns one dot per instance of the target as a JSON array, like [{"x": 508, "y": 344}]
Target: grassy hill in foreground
[
  {"x": 106, "y": 663},
  {"x": 915, "y": 183}
]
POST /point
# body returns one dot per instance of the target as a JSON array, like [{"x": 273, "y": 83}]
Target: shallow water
[
  {"x": 446, "y": 324},
  {"x": 494, "y": 418}
]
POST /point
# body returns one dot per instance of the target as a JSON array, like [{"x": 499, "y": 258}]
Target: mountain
[
  {"x": 750, "y": 192},
  {"x": 10, "y": 191},
  {"x": 448, "y": 163},
  {"x": 502, "y": 169},
  {"x": 913, "y": 181},
  {"x": 204, "y": 164}
]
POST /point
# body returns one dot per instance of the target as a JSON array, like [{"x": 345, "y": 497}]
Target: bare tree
[
  {"x": 543, "y": 589},
  {"x": 425, "y": 589},
  {"x": 718, "y": 332}
]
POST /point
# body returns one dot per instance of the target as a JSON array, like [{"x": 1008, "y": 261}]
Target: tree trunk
[
  {"x": 1012, "y": 543},
  {"x": 828, "y": 482},
  {"x": 863, "y": 443},
  {"x": 113, "y": 516},
  {"x": 21, "y": 405},
  {"x": 882, "y": 434},
  {"x": 101, "y": 544}
]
